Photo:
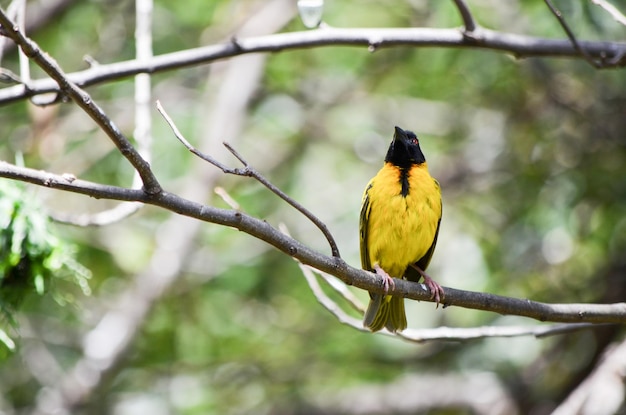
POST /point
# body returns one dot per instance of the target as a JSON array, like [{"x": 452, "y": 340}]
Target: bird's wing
[
  {"x": 364, "y": 228},
  {"x": 425, "y": 260}
]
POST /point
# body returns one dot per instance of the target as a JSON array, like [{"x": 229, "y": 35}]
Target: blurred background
[{"x": 530, "y": 154}]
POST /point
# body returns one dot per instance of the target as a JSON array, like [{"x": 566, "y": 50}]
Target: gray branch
[
  {"x": 564, "y": 313},
  {"x": 520, "y": 46}
]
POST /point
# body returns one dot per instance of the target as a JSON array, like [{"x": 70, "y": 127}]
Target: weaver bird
[{"x": 399, "y": 224}]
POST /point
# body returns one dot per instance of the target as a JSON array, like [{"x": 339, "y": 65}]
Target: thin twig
[
  {"x": 326, "y": 302},
  {"x": 252, "y": 172},
  {"x": 343, "y": 290},
  {"x": 612, "y": 10},
  {"x": 559, "y": 16},
  {"x": 227, "y": 198},
  {"x": 249, "y": 171},
  {"x": 337, "y": 285},
  {"x": 7, "y": 76},
  {"x": 186, "y": 143},
  {"x": 466, "y": 15},
  {"x": 83, "y": 100},
  {"x": 104, "y": 218}
]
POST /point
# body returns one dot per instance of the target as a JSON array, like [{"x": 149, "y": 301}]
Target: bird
[{"x": 399, "y": 224}]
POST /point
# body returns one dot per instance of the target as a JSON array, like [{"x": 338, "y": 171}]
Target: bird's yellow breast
[{"x": 399, "y": 228}]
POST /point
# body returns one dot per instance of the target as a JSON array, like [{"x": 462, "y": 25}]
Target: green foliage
[{"x": 32, "y": 258}]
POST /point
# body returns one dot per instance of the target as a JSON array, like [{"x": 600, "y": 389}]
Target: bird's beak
[{"x": 400, "y": 134}]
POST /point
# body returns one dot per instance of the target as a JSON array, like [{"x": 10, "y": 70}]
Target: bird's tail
[{"x": 385, "y": 311}]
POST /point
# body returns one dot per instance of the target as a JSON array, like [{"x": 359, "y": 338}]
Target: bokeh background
[{"x": 530, "y": 154}]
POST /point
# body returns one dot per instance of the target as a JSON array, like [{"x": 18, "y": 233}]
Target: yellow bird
[{"x": 399, "y": 224}]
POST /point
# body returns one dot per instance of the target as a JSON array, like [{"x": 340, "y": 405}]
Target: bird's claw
[
  {"x": 436, "y": 290},
  {"x": 387, "y": 280}
]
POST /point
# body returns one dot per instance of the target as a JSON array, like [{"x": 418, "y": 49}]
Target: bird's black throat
[
  {"x": 404, "y": 182},
  {"x": 404, "y": 153}
]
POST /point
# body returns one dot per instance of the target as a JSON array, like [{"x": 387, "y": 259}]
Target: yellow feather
[{"x": 397, "y": 231}]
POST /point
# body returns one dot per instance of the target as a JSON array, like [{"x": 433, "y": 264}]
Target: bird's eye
[{"x": 415, "y": 141}]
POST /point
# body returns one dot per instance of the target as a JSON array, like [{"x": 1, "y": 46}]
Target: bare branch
[
  {"x": 518, "y": 45},
  {"x": 71, "y": 184},
  {"x": 439, "y": 333},
  {"x": 343, "y": 290},
  {"x": 334, "y": 283},
  {"x": 7, "y": 76},
  {"x": 83, "y": 100},
  {"x": 186, "y": 143},
  {"x": 249, "y": 171},
  {"x": 260, "y": 229},
  {"x": 559, "y": 16},
  {"x": 612, "y": 10},
  {"x": 466, "y": 15},
  {"x": 327, "y": 303},
  {"x": 252, "y": 172},
  {"x": 107, "y": 217}
]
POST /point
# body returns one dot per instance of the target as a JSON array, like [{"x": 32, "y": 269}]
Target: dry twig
[
  {"x": 583, "y": 52},
  {"x": 249, "y": 171}
]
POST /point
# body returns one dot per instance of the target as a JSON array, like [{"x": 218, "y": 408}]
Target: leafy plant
[{"x": 32, "y": 257}]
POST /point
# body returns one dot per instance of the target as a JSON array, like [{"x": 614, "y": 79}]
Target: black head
[{"x": 404, "y": 150}]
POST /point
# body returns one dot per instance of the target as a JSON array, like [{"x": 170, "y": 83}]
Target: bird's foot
[
  {"x": 436, "y": 290},
  {"x": 387, "y": 280}
]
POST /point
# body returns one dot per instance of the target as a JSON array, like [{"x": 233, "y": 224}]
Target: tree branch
[
  {"x": 82, "y": 99},
  {"x": 559, "y": 16},
  {"x": 249, "y": 171},
  {"x": 466, "y": 16},
  {"x": 429, "y": 334},
  {"x": 260, "y": 229},
  {"x": 520, "y": 46}
]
